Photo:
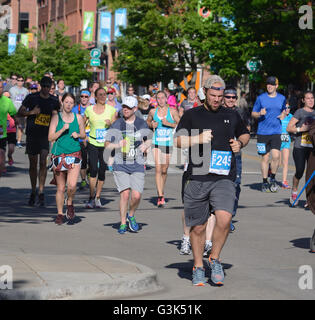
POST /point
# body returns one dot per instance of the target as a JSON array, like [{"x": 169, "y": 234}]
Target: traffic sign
[
  {"x": 95, "y": 53},
  {"x": 95, "y": 62},
  {"x": 254, "y": 64}
]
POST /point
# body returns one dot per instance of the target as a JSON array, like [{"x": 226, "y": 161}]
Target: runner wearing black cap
[{"x": 269, "y": 109}]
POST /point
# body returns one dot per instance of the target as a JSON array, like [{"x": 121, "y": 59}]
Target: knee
[
  {"x": 125, "y": 195},
  {"x": 136, "y": 196},
  {"x": 198, "y": 230},
  {"x": 71, "y": 187},
  {"x": 61, "y": 189}
]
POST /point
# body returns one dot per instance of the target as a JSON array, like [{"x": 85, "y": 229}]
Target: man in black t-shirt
[
  {"x": 38, "y": 108},
  {"x": 213, "y": 135}
]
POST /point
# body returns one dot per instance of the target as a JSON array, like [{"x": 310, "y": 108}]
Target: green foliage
[
  {"x": 166, "y": 39},
  {"x": 54, "y": 53}
]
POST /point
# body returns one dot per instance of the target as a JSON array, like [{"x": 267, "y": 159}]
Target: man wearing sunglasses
[
  {"x": 38, "y": 108},
  {"x": 80, "y": 109},
  {"x": 18, "y": 93},
  {"x": 229, "y": 100}
]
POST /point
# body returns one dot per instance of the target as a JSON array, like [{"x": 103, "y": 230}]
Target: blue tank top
[{"x": 163, "y": 135}]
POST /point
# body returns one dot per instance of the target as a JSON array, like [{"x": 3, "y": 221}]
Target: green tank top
[{"x": 65, "y": 143}]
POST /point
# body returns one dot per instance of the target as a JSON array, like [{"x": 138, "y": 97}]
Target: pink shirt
[{"x": 10, "y": 125}]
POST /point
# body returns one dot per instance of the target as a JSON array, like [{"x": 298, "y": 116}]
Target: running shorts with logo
[{"x": 265, "y": 143}]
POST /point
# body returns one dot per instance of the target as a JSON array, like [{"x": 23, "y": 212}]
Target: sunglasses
[
  {"x": 20, "y": 80},
  {"x": 230, "y": 97},
  {"x": 13, "y": 78},
  {"x": 84, "y": 96}
]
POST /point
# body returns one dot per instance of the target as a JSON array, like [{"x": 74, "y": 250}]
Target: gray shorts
[
  {"x": 133, "y": 181},
  {"x": 199, "y": 195}
]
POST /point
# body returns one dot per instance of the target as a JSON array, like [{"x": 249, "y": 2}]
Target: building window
[{"x": 24, "y": 22}]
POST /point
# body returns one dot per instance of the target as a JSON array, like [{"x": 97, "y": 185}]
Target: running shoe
[
  {"x": 312, "y": 244},
  {"x": 160, "y": 202},
  {"x": 273, "y": 186},
  {"x": 122, "y": 229},
  {"x": 90, "y": 204},
  {"x": 285, "y": 185},
  {"x": 31, "y": 201},
  {"x": 83, "y": 184},
  {"x": 133, "y": 225},
  {"x": 59, "y": 219},
  {"x": 110, "y": 168},
  {"x": 217, "y": 274},
  {"x": 70, "y": 214},
  {"x": 41, "y": 200},
  {"x": 198, "y": 277},
  {"x": 185, "y": 247},
  {"x": 265, "y": 187},
  {"x": 208, "y": 247},
  {"x": 19, "y": 145},
  {"x": 98, "y": 203},
  {"x": 232, "y": 227},
  {"x": 293, "y": 198},
  {"x": 10, "y": 161}
]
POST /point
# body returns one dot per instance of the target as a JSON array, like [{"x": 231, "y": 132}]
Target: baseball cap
[
  {"x": 33, "y": 86},
  {"x": 110, "y": 90},
  {"x": 130, "y": 102},
  {"x": 146, "y": 96},
  {"x": 272, "y": 80}
]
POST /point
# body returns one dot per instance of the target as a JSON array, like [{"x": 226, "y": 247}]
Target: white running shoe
[
  {"x": 185, "y": 246},
  {"x": 98, "y": 203},
  {"x": 208, "y": 247},
  {"x": 90, "y": 204}
]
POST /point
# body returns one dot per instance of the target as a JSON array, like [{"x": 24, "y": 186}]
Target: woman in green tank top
[{"x": 65, "y": 130}]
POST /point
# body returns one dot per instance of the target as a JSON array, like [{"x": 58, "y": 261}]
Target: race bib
[
  {"x": 42, "y": 120},
  {"x": 261, "y": 148},
  {"x": 100, "y": 135},
  {"x": 220, "y": 162},
  {"x": 163, "y": 134},
  {"x": 285, "y": 137},
  {"x": 306, "y": 140}
]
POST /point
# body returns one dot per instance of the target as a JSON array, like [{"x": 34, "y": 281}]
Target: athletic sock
[
  {"x": 273, "y": 176},
  {"x": 265, "y": 180}
]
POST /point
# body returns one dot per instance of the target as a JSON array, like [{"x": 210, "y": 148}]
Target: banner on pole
[
  {"x": 120, "y": 21},
  {"x": 88, "y": 26},
  {"x": 24, "y": 39},
  {"x": 11, "y": 43},
  {"x": 105, "y": 27}
]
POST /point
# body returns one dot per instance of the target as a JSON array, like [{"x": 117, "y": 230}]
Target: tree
[
  {"x": 21, "y": 62},
  {"x": 57, "y": 54}
]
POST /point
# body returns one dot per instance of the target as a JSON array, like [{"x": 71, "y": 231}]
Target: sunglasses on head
[{"x": 230, "y": 97}]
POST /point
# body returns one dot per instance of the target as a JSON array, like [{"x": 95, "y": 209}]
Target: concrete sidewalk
[{"x": 49, "y": 277}]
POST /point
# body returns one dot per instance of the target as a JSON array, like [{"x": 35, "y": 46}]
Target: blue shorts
[{"x": 285, "y": 145}]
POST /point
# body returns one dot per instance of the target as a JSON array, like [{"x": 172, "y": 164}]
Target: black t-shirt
[
  {"x": 225, "y": 124},
  {"x": 38, "y": 125}
]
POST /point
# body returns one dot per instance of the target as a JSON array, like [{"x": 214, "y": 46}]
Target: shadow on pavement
[{"x": 303, "y": 243}]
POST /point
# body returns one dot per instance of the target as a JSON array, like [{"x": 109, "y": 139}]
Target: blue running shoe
[
  {"x": 217, "y": 274},
  {"x": 198, "y": 277},
  {"x": 122, "y": 229},
  {"x": 133, "y": 225}
]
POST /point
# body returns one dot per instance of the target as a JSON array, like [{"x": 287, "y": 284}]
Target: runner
[
  {"x": 112, "y": 100},
  {"x": 300, "y": 125},
  {"x": 38, "y": 108},
  {"x": 18, "y": 93},
  {"x": 100, "y": 116},
  {"x": 80, "y": 109},
  {"x": 11, "y": 138},
  {"x": 6, "y": 108},
  {"x": 162, "y": 120},
  {"x": 65, "y": 130},
  {"x": 230, "y": 99},
  {"x": 191, "y": 102},
  {"x": 60, "y": 89},
  {"x": 269, "y": 110},
  {"x": 212, "y": 171},
  {"x": 92, "y": 88},
  {"x": 285, "y": 147},
  {"x": 129, "y": 137}
]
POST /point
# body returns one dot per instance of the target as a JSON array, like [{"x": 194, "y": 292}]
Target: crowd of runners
[{"x": 102, "y": 129}]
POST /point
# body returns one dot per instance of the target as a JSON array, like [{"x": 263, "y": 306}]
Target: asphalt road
[{"x": 262, "y": 258}]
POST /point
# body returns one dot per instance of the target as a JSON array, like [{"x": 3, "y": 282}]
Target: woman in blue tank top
[{"x": 162, "y": 120}]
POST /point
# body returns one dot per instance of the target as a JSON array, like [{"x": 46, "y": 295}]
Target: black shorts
[
  {"x": 164, "y": 149},
  {"x": 11, "y": 136},
  {"x": 3, "y": 143},
  {"x": 265, "y": 143},
  {"x": 36, "y": 145}
]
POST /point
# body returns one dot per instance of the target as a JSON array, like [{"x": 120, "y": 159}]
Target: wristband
[{"x": 242, "y": 144}]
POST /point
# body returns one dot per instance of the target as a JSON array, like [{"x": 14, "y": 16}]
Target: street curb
[{"x": 126, "y": 285}]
